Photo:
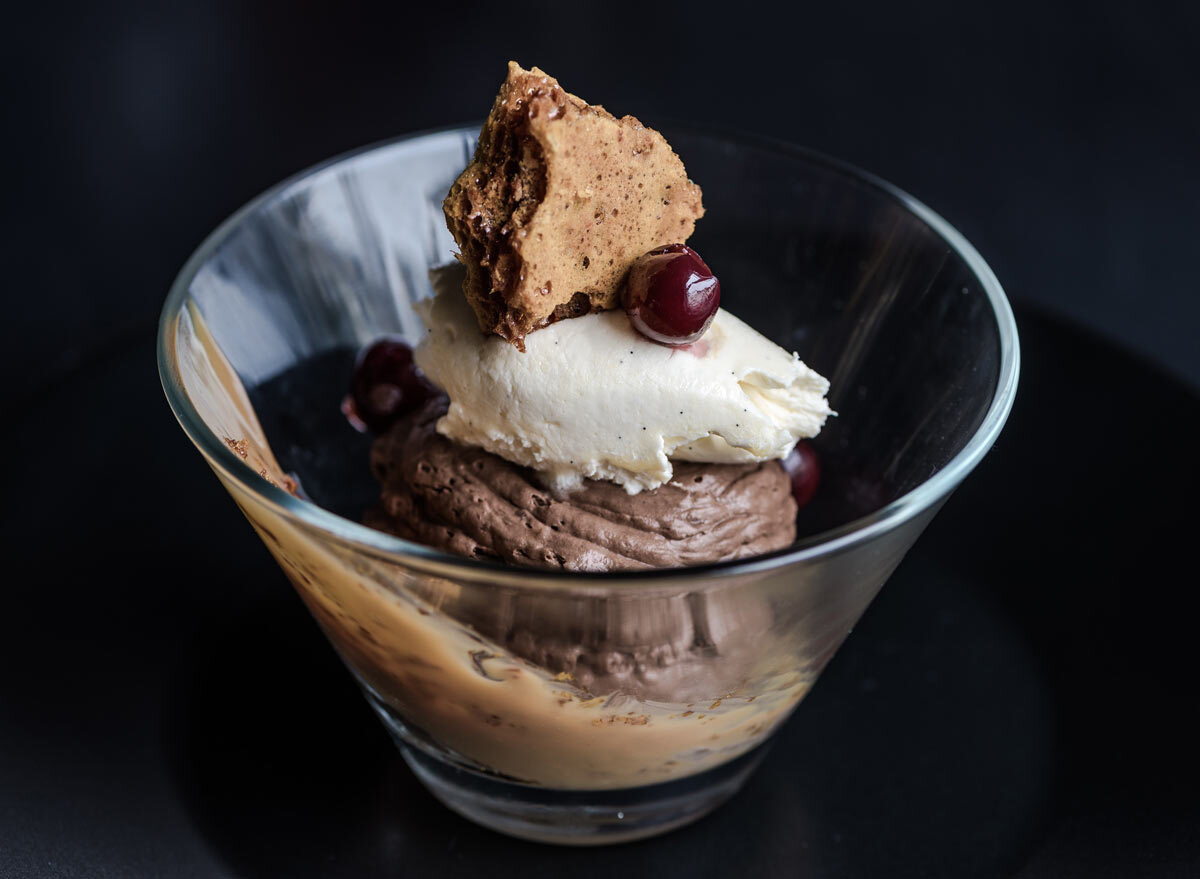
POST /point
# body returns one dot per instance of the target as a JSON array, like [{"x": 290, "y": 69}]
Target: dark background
[{"x": 1062, "y": 140}]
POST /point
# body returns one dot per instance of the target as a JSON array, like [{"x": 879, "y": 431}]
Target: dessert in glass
[{"x": 580, "y": 574}]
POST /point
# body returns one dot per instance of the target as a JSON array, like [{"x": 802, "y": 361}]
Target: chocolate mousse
[
  {"x": 559, "y": 200},
  {"x": 472, "y": 503}
]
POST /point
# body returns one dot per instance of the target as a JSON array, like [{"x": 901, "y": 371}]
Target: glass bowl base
[{"x": 566, "y": 817}]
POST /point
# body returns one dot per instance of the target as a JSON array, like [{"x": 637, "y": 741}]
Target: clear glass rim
[{"x": 391, "y": 548}]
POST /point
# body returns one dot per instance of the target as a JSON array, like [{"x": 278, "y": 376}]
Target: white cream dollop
[{"x": 592, "y": 398}]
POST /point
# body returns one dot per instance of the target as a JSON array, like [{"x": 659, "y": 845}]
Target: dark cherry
[
  {"x": 671, "y": 296},
  {"x": 386, "y": 385},
  {"x": 805, "y": 471}
]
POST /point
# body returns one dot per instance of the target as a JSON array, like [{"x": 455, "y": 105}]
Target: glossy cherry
[
  {"x": 386, "y": 385},
  {"x": 671, "y": 296},
  {"x": 805, "y": 471}
]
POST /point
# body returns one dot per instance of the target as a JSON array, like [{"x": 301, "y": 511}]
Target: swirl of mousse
[
  {"x": 592, "y": 399},
  {"x": 472, "y": 503}
]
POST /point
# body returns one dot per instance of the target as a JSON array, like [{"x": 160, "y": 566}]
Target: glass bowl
[{"x": 578, "y": 708}]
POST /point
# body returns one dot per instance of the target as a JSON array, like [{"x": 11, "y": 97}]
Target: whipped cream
[{"x": 592, "y": 398}]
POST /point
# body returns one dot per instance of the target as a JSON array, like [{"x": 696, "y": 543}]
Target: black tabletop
[{"x": 1013, "y": 704}]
